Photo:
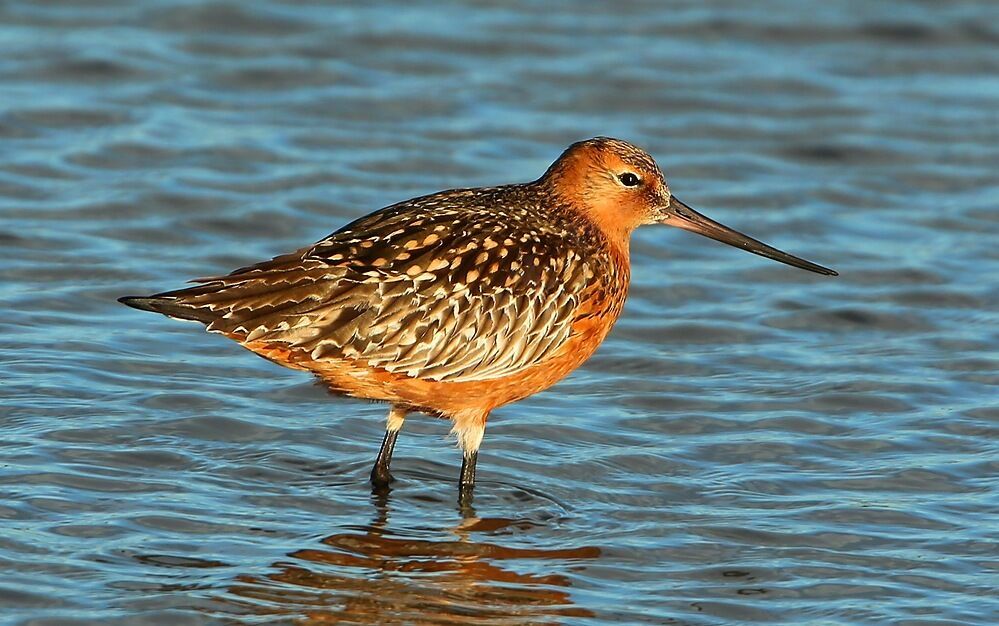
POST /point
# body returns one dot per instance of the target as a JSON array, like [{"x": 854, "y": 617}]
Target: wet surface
[{"x": 753, "y": 443}]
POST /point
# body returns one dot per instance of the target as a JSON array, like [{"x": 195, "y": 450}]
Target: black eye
[{"x": 628, "y": 179}]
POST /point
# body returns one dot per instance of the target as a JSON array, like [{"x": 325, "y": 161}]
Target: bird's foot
[{"x": 381, "y": 479}]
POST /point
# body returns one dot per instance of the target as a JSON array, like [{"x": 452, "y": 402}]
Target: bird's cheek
[
  {"x": 656, "y": 216},
  {"x": 659, "y": 208},
  {"x": 664, "y": 198}
]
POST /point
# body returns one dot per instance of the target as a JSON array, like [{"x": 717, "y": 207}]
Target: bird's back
[{"x": 459, "y": 286}]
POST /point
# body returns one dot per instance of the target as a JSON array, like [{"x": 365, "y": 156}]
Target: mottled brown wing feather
[{"x": 437, "y": 288}]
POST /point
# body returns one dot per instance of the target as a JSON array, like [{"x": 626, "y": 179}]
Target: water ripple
[{"x": 751, "y": 444}]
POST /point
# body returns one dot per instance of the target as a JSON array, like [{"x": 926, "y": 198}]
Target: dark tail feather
[{"x": 169, "y": 306}]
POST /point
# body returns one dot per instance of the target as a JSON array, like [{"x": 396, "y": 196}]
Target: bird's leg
[
  {"x": 466, "y": 482},
  {"x": 469, "y": 429},
  {"x": 380, "y": 474}
]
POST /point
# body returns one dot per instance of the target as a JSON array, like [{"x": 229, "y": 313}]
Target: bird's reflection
[{"x": 371, "y": 576}]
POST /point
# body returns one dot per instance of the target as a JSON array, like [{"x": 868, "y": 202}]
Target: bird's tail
[
  {"x": 171, "y": 306},
  {"x": 225, "y": 302}
]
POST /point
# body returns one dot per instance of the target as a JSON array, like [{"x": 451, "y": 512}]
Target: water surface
[{"x": 753, "y": 443}]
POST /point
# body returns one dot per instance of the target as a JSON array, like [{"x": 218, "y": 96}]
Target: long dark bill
[{"x": 682, "y": 216}]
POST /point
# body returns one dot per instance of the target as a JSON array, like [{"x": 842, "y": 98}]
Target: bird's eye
[{"x": 628, "y": 179}]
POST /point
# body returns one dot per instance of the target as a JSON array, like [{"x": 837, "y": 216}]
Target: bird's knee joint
[{"x": 469, "y": 435}]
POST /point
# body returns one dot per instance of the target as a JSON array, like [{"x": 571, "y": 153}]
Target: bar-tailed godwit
[{"x": 458, "y": 302}]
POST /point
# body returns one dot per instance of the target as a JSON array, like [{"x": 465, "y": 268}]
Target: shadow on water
[{"x": 379, "y": 574}]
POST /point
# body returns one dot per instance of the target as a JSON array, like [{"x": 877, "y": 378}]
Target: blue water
[{"x": 752, "y": 444}]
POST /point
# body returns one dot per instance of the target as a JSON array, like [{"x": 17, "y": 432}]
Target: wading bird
[{"x": 458, "y": 302}]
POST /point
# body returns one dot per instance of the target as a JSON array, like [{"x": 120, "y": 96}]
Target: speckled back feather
[{"x": 462, "y": 285}]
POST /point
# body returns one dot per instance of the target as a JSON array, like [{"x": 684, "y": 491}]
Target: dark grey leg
[
  {"x": 380, "y": 474},
  {"x": 466, "y": 483}
]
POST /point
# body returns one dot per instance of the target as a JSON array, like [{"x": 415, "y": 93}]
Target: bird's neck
[{"x": 604, "y": 219}]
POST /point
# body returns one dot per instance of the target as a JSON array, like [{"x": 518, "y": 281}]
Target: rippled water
[{"x": 752, "y": 444}]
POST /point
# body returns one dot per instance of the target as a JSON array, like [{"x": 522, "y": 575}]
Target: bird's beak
[{"x": 682, "y": 216}]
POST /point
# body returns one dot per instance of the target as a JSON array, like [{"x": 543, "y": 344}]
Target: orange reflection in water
[{"x": 368, "y": 577}]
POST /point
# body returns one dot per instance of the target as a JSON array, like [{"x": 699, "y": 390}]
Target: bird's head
[{"x": 620, "y": 187}]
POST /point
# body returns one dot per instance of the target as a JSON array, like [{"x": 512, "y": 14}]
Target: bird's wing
[{"x": 422, "y": 290}]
